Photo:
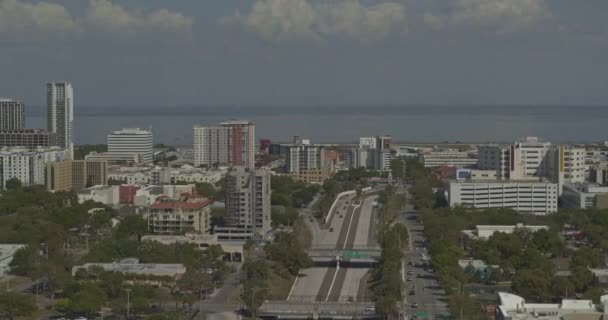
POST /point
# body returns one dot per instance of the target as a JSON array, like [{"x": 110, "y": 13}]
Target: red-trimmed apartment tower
[{"x": 231, "y": 143}]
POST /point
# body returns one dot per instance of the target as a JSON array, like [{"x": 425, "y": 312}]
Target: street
[{"x": 429, "y": 298}]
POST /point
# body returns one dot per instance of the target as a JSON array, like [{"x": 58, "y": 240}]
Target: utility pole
[
  {"x": 128, "y": 302},
  {"x": 200, "y": 305},
  {"x": 253, "y": 311}
]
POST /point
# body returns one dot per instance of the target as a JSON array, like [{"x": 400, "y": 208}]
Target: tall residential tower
[
  {"x": 60, "y": 113},
  {"x": 232, "y": 143},
  {"x": 11, "y": 115},
  {"x": 247, "y": 202}
]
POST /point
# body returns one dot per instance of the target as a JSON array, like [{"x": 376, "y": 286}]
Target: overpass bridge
[
  {"x": 317, "y": 310},
  {"x": 363, "y": 256}
]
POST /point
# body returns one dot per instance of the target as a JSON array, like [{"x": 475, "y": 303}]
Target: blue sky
[{"x": 141, "y": 53}]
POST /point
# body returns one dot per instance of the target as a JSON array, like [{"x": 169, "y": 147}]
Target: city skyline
[{"x": 482, "y": 52}]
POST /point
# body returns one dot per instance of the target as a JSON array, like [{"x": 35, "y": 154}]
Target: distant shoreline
[{"x": 276, "y": 110}]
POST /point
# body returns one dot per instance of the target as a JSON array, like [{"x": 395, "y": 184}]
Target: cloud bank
[
  {"x": 21, "y": 20},
  {"x": 504, "y": 15},
  {"x": 279, "y": 20}
]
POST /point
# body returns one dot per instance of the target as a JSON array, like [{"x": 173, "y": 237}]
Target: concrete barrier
[
  {"x": 333, "y": 205},
  {"x": 342, "y": 194}
]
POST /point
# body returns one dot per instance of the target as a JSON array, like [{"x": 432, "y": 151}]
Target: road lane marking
[
  {"x": 352, "y": 216},
  {"x": 333, "y": 281}
]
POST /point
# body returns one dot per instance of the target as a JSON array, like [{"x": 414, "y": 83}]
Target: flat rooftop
[{"x": 133, "y": 266}]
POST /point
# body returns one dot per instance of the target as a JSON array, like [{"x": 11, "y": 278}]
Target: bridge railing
[
  {"x": 355, "y": 248},
  {"x": 298, "y": 299}
]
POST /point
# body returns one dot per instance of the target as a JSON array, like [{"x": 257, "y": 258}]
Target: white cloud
[
  {"x": 278, "y": 20},
  {"x": 500, "y": 14},
  {"x": 19, "y": 19},
  {"x": 23, "y": 20},
  {"x": 103, "y": 15}
]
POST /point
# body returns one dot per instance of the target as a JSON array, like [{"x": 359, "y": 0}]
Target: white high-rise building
[
  {"x": 304, "y": 157},
  {"x": 132, "y": 141},
  {"x": 11, "y": 115},
  {"x": 367, "y": 142},
  {"x": 525, "y": 159},
  {"x": 60, "y": 113},
  {"x": 28, "y": 165},
  {"x": 573, "y": 163},
  {"x": 232, "y": 143}
]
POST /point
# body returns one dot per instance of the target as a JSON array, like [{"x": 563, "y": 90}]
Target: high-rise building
[
  {"x": 28, "y": 138},
  {"x": 75, "y": 175},
  {"x": 60, "y": 113},
  {"x": 132, "y": 141},
  {"x": 11, "y": 115},
  {"x": 367, "y": 142},
  {"x": 231, "y": 143},
  {"x": 247, "y": 202},
  {"x": 307, "y": 162},
  {"x": 373, "y": 152},
  {"x": 525, "y": 159},
  {"x": 27, "y": 165}
]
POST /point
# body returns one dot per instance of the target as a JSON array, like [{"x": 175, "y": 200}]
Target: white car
[{"x": 370, "y": 309}]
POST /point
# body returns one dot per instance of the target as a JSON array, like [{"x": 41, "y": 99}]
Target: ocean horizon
[{"x": 344, "y": 124}]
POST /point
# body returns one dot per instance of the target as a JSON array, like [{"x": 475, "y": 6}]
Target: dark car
[
  {"x": 412, "y": 292},
  {"x": 331, "y": 229}
]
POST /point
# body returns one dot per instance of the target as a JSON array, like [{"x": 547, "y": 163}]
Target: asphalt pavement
[{"x": 429, "y": 297}]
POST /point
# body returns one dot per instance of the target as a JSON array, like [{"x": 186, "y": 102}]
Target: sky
[{"x": 141, "y": 53}]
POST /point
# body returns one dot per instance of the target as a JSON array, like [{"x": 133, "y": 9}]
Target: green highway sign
[
  {"x": 354, "y": 255},
  {"x": 421, "y": 314}
]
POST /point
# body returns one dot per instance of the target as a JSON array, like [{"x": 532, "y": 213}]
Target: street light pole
[{"x": 128, "y": 302}]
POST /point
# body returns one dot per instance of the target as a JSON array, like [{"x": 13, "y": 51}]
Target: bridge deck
[{"x": 319, "y": 309}]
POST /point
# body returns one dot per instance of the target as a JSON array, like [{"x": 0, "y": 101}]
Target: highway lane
[
  {"x": 362, "y": 237},
  {"x": 350, "y": 287},
  {"x": 306, "y": 286},
  {"x": 347, "y": 282},
  {"x": 314, "y": 283}
]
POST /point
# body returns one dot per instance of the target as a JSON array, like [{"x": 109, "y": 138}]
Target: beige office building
[{"x": 75, "y": 175}]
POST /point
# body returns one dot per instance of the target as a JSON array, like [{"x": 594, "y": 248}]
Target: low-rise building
[
  {"x": 186, "y": 213},
  {"x": 148, "y": 195},
  {"x": 476, "y": 175},
  {"x": 136, "y": 272},
  {"x": 28, "y": 166},
  {"x": 108, "y": 195},
  {"x": 600, "y": 275},
  {"x": 534, "y": 197},
  {"x": 126, "y": 193},
  {"x": 144, "y": 175},
  {"x": 7, "y": 252},
  {"x": 478, "y": 267},
  {"x": 115, "y": 158},
  {"x": 513, "y": 307},
  {"x": 484, "y": 232},
  {"x": 584, "y": 196},
  {"x": 233, "y": 249},
  {"x": 447, "y": 157}
]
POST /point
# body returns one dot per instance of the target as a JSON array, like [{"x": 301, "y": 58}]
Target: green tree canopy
[
  {"x": 132, "y": 225},
  {"x": 14, "y": 305},
  {"x": 13, "y": 184}
]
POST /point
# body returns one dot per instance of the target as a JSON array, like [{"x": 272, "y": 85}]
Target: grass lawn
[{"x": 279, "y": 286}]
